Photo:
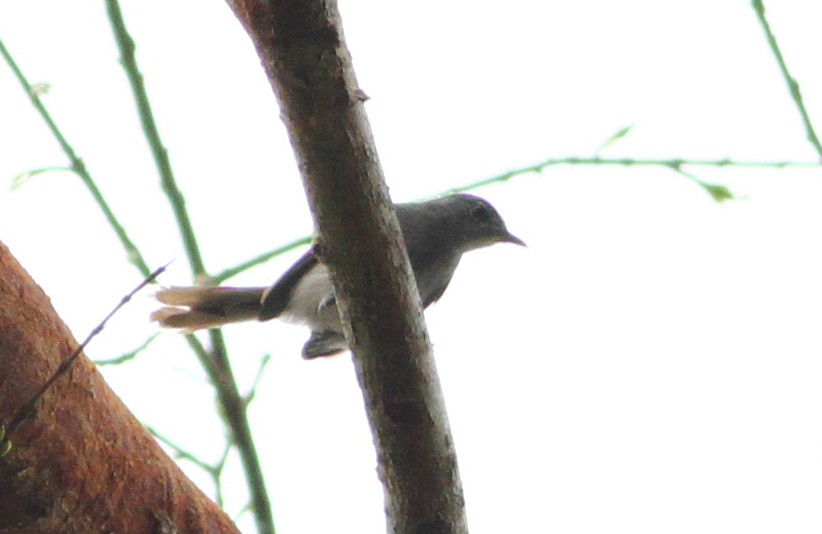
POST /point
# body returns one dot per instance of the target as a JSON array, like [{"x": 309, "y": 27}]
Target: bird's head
[{"x": 477, "y": 224}]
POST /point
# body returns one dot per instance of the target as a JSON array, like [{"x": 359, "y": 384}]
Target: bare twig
[{"x": 28, "y": 408}]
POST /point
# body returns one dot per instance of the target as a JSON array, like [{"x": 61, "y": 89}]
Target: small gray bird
[{"x": 437, "y": 233}]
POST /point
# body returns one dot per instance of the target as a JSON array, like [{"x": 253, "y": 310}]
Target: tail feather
[{"x": 195, "y": 308}]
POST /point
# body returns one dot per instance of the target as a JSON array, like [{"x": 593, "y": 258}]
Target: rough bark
[
  {"x": 301, "y": 45},
  {"x": 80, "y": 462}
]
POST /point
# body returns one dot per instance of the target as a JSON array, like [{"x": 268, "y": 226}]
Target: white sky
[{"x": 651, "y": 363}]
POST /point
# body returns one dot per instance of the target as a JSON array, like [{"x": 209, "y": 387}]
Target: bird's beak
[{"x": 511, "y": 238}]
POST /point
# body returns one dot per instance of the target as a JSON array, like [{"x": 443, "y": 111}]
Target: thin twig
[
  {"x": 218, "y": 481},
  {"x": 718, "y": 192},
  {"x": 675, "y": 164},
  {"x": 216, "y": 363},
  {"x": 128, "y": 355},
  {"x": 249, "y": 398},
  {"x": 215, "y": 471},
  {"x": 28, "y": 408},
  {"x": 236, "y": 419},
  {"x": 202, "y": 355},
  {"x": 631, "y": 162},
  {"x": 77, "y": 165},
  {"x": 183, "y": 454},
  {"x": 262, "y": 258},
  {"x": 793, "y": 85},
  {"x": 126, "y": 47}
]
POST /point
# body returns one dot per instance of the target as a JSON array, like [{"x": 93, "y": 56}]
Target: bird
[{"x": 436, "y": 233}]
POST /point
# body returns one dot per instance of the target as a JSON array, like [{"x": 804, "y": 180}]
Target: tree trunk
[{"x": 80, "y": 462}]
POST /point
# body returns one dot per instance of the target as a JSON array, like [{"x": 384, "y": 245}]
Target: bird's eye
[{"x": 481, "y": 213}]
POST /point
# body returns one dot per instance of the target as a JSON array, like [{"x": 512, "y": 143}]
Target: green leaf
[
  {"x": 617, "y": 136},
  {"x": 718, "y": 192}
]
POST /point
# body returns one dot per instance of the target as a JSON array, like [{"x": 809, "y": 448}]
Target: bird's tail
[{"x": 195, "y": 308}]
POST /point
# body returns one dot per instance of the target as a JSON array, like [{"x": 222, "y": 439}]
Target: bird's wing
[{"x": 275, "y": 299}]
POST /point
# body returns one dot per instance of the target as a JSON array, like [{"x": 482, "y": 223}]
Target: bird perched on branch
[{"x": 437, "y": 233}]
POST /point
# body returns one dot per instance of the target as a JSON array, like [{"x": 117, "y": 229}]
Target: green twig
[
  {"x": 235, "y": 416},
  {"x": 128, "y": 355},
  {"x": 630, "y": 162},
  {"x": 242, "y": 511},
  {"x": 215, "y": 471},
  {"x": 674, "y": 164},
  {"x": 233, "y": 406},
  {"x": 220, "y": 466},
  {"x": 793, "y": 85},
  {"x": 202, "y": 355},
  {"x": 77, "y": 165},
  {"x": 262, "y": 258},
  {"x": 216, "y": 362},
  {"x": 253, "y": 390},
  {"x": 126, "y": 47},
  {"x": 718, "y": 192},
  {"x": 181, "y": 453}
]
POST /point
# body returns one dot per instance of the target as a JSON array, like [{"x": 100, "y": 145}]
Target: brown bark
[
  {"x": 80, "y": 462},
  {"x": 301, "y": 45}
]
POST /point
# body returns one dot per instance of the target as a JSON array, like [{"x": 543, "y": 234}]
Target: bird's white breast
[{"x": 309, "y": 302}]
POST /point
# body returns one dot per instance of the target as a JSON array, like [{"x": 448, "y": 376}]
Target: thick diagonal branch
[
  {"x": 80, "y": 462},
  {"x": 304, "y": 54}
]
